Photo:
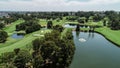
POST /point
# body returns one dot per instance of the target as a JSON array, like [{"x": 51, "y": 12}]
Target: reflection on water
[
  {"x": 91, "y": 35},
  {"x": 77, "y": 33}
]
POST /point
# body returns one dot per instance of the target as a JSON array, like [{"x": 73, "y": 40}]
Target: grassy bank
[{"x": 111, "y": 35}]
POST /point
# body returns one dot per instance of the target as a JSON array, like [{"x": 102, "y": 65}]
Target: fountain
[{"x": 82, "y": 40}]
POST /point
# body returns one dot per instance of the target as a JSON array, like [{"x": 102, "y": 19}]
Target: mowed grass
[
  {"x": 11, "y": 43},
  {"x": 11, "y": 28},
  {"x": 43, "y": 22},
  {"x": 94, "y": 23},
  {"x": 69, "y": 22},
  {"x": 112, "y": 35}
]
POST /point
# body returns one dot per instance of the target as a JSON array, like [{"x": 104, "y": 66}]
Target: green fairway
[
  {"x": 94, "y": 23},
  {"x": 43, "y": 22},
  {"x": 11, "y": 28},
  {"x": 112, "y": 35},
  {"x": 71, "y": 22},
  {"x": 11, "y": 44}
]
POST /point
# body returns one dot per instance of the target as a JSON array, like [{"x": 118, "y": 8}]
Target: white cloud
[{"x": 57, "y": 5}]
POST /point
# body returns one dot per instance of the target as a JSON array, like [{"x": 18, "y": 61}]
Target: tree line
[
  {"x": 28, "y": 26},
  {"x": 3, "y": 36}
]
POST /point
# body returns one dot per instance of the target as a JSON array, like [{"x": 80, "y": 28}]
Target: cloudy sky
[{"x": 59, "y": 5}]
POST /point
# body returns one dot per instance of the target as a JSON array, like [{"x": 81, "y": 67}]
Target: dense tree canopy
[
  {"x": 2, "y": 25},
  {"x": 54, "y": 51},
  {"x": 49, "y": 24},
  {"x": 3, "y": 36},
  {"x": 22, "y": 58},
  {"x": 114, "y": 19},
  {"x": 78, "y": 27},
  {"x": 58, "y": 28},
  {"x": 28, "y": 26}
]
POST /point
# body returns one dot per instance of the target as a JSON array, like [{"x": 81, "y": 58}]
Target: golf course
[{"x": 59, "y": 39}]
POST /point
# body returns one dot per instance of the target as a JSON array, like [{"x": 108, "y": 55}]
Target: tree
[
  {"x": 38, "y": 62},
  {"x": 54, "y": 52},
  {"x": 3, "y": 36},
  {"x": 78, "y": 27},
  {"x": 72, "y": 18},
  {"x": 7, "y": 57},
  {"x": 104, "y": 23},
  {"x": 28, "y": 26},
  {"x": 48, "y": 49},
  {"x": 58, "y": 28},
  {"x": 16, "y": 50},
  {"x": 97, "y": 17},
  {"x": 54, "y": 36},
  {"x": 22, "y": 58},
  {"x": 29, "y": 30},
  {"x": 37, "y": 43},
  {"x": 115, "y": 24},
  {"x": 2, "y": 25},
  {"x": 49, "y": 24},
  {"x": 81, "y": 21}
]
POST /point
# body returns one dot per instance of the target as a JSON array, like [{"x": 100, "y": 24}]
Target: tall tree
[
  {"x": 22, "y": 58},
  {"x": 3, "y": 36},
  {"x": 49, "y": 24},
  {"x": 2, "y": 25},
  {"x": 78, "y": 27}
]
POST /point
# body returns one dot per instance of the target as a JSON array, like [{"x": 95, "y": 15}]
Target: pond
[
  {"x": 69, "y": 26},
  {"x": 17, "y": 36},
  {"x": 95, "y": 52},
  {"x": 74, "y": 26}
]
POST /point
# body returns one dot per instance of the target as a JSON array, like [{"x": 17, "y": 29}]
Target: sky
[{"x": 59, "y": 5}]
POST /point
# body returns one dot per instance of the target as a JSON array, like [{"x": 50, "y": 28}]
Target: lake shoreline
[
  {"x": 94, "y": 53},
  {"x": 108, "y": 38},
  {"x": 96, "y": 31}
]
